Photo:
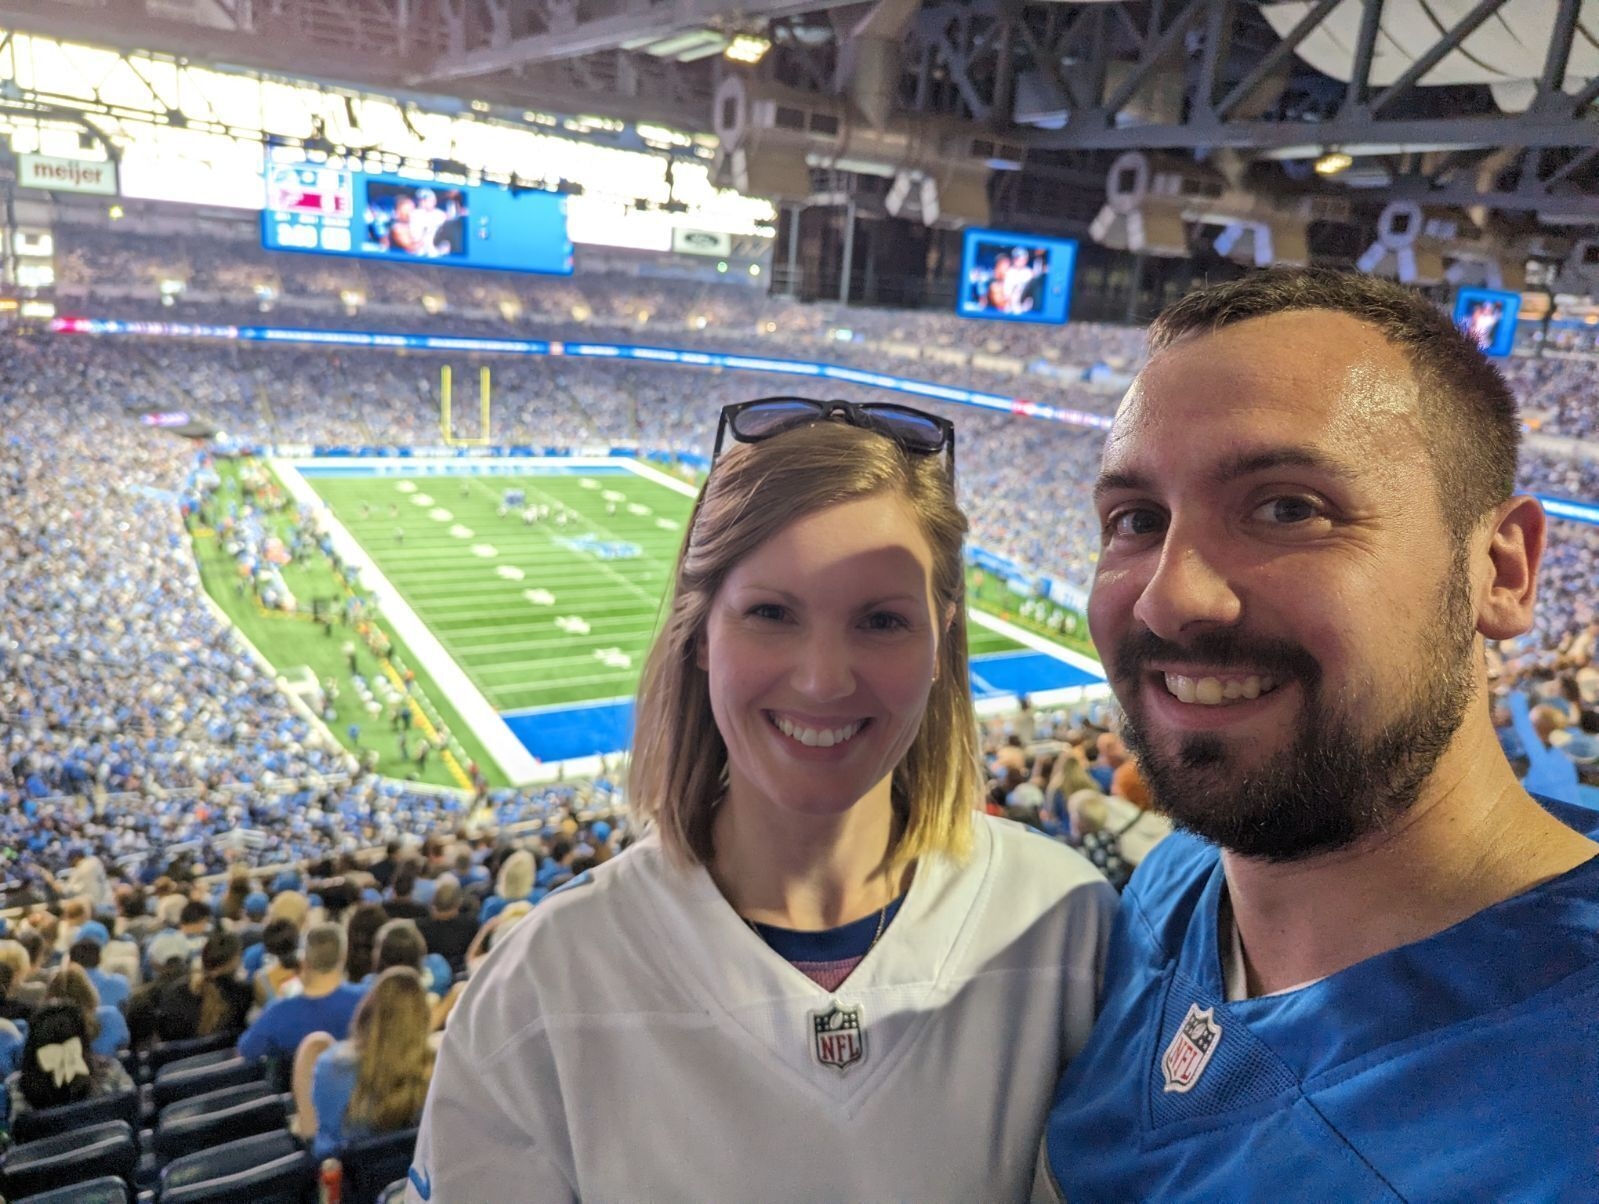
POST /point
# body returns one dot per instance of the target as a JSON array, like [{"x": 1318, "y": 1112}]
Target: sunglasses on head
[{"x": 913, "y": 430}]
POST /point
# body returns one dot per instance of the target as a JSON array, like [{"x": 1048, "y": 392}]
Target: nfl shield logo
[
  {"x": 1190, "y": 1050},
  {"x": 838, "y": 1037}
]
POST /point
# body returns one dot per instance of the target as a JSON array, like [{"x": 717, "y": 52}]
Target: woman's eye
[
  {"x": 884, "y": 620},
  {"x": 768, "y": 610},
  {"x": 1287, "y": 510}
]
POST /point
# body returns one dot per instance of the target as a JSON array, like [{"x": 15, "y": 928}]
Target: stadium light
[
  {"x": 747, "y": 48},
  {"x": 1333, "y": 162}
]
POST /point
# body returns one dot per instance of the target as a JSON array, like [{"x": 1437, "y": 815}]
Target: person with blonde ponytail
[
  {"x": 822, "y": 974},
  {"x": 375, "y": 1081}
]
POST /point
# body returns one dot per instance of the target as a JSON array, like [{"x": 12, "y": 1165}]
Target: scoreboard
[{"x": 327, "y": 209}]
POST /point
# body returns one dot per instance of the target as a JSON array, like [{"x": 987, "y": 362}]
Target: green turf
[
  {"x": 288, "y": 641},
  {"x": 521, "y": 651},
  {"x": 986, "y": 592}
]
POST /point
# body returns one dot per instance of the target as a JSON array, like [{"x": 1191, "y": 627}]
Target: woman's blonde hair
[
  {"x": 395, "y": 1062},
  {"x": 679, "y": 767},
  {"x": 516, "y": 876},
  {"x": 71, "y": 984}
]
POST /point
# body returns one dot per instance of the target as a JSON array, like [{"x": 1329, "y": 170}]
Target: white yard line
[{"x": 518, "y": 764}]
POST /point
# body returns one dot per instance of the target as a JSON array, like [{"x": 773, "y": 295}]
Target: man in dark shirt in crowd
[{"x": 448, "y": 931}]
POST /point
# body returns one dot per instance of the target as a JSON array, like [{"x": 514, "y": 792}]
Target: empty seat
[
  {"x": 188, "y": 1131},
  {"x": 107, "y": 1190},
  {"x": 210, "y": 1057},
  {"x": 269, "y": 1168},
  {"x": 213, "y": 1101},
  {"x": 171, "y": 1051},
  {"x": 373, "y": 1163},
  {"x": 66, "y": 1118},
  {"x": 80, "y": 1156},
  {"x": 175, "y": 1082}
]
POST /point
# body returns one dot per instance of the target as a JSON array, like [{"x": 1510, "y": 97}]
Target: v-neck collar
[{"x": 752, "y": 991}]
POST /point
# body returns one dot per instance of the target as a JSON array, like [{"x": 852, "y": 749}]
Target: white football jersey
[{"x": 633, "y": 1039}]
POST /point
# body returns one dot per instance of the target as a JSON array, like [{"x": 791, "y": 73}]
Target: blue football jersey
[{"x": 1461, "y": 1067}]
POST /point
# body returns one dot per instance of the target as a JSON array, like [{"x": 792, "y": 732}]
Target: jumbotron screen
[
  {"x": 1016, "y": 277},
  {"x": 329, "y": 210},
  {"x": 1489, "y": 316}
]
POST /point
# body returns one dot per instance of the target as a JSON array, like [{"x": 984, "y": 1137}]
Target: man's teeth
[
  {"x": 1218, "y": 691},
  {"x": 817, "y": 737}
]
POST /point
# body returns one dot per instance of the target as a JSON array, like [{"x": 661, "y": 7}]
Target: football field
[{"x": 543, "y": 583}]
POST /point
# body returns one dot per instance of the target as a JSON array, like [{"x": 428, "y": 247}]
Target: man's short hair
[
  {"x": 399, "y": 943},
  {"x": 85, "y": 954},
  {"x": 194, "y": 912},
  {"x": 1467, "y": 410},
  {"x": 447, "y": 894},
  {"x": 324, "y": 949}
]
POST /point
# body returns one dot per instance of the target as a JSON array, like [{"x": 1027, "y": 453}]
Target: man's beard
[{"x": 1336, "y": 783}]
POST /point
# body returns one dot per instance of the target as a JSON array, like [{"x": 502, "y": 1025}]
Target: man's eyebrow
[
  {"x": 1264, "y": 460},
  {"x": 1121, "y": 482},
  {"x": 1241, "y": 465}
]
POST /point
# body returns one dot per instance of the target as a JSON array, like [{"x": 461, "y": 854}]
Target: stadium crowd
[{"x": 195, "y": 859}]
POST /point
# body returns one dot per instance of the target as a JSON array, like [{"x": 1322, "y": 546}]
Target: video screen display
[
  {"x": 1489, "y": 317},
  {"x": 329, "y": 210},
  {"x": 1016, "y": 277}
]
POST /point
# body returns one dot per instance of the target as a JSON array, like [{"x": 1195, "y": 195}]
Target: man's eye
[
  {"x": 1287, "y": 510},
  {"x": 1131, "y": 524}
]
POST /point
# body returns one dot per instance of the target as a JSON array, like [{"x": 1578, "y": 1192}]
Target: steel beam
[
  {"x": 1365, "y": 48},
  {"x": 1346, "y": 131},
  {"x": 1155, "y": 50},
  {"x": 635, "y": 24},
  {"x": 1262, "y": 70},
  {"x": 1448, "y": 41}
]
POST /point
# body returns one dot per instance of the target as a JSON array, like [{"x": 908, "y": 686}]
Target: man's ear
[{"x": 1515, "y": 550}]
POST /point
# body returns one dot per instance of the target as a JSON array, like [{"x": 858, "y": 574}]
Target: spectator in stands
[
  {"x": 209, "y": 1000},
  {"x": 1308, "y": 497},
  {"x": 513, "y": 883},
  {"x": 37, "y": 976},
  {"x": 145, "y": 1005},
  {"x": 377, "y": 1080},
  {"x": 58, "y": 1067},
  {"x": 448, "y": 930},
  {"x": 280, "y": 972},
  {"x": 362, "y": 931},
  {"x": 113, "y": 989},
  {"x": 402, "y": 906},
  {"x": 107, "y": 1028},
  {"x": 324, "y": 1003},
  {"x": 14, "y": 967},
  {"x": 807, "y": 748},
  {"x": 195, "y": 923},
  {"x": 384, "y": 869}
]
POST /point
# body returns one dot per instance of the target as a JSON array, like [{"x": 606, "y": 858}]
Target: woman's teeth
[
  {"x": 813, "y": 737},
  {"x": 1218, "y": 691}
]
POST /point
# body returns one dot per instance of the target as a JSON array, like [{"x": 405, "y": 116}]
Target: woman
[
  {"x": 375, "y": 1081},
  {"x": 58, "y": 1066},
  {"x": 107, "y": 1028},
  {"x": 362, "y": 935},
  {"x": 212, "y": 1000},
  {"x": 279, "y": 974},
  {"x": 822, "y": 975}
]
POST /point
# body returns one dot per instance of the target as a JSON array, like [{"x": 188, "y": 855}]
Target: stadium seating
[
  {"x": 71, "y": 1118},
  {"x": 268, "y": 1168},
  {"x": 218, "y": 1117},
  {"x": 107, "y": 1190},
  {"x": 79, "y": 1156},
  {"x": 181, "y": 1081},
  {"x": 372, "y": 1163}
]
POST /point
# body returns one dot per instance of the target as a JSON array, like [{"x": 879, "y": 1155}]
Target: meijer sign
[{"x": 67, "y": 175}]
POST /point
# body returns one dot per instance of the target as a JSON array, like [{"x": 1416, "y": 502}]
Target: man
[
  {"x": 1369, "y": 969},
  {"x": 325, "y": 1004},
  {"x": 402, "y": 906},
  {"x": 448, "y": 931},
  {"x": 86, "y": 951}
]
